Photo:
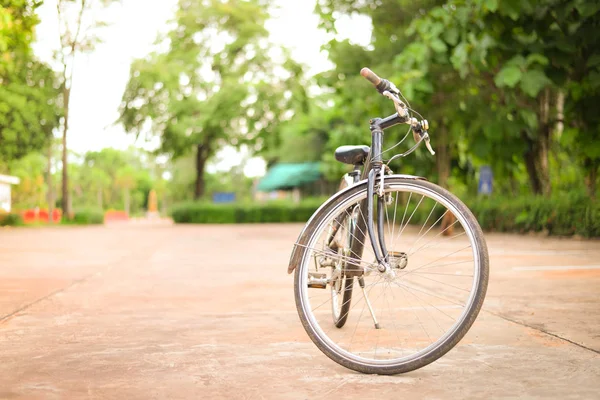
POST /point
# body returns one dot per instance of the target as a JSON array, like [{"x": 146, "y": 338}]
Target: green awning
[{"x": 289, "y": 176}]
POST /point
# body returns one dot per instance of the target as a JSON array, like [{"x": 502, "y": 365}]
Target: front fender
[{"x": 307, "y": 231}]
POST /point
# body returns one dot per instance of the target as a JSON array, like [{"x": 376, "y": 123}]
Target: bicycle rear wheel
[
  {"x": 406, "y": 319},
  {"x": 339, "y": 241}
]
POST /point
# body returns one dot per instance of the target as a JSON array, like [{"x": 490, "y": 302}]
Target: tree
[
  {"x": 518, "y": 57},
  {"x": 78, "y": 30},
  {"x": 120, "y": 174},
  {"x": 28, "y": 91},
  {"x": 162, "y": 193},
  {"x": 503, "y": 83},
  {"x": 97, "y": 181},
  {"x": 219, "y": 83},
  {"x": 126, "y": 181},
  {"x": 578, "y": 63},
  {"x": 344, "y": 114},
  {"x": 16, "y": 30}
]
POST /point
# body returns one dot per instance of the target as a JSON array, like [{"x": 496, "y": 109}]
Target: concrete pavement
[{"x": 162, "y": 311}]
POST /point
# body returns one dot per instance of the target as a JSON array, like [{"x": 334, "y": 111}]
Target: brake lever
[
  {"x": 402, "y": 111},
  {"x": 425, "y": 126},
  {"x": 398, "y": 104},
  {"x": 420, "y": 130},
  {"x": 426, "y": 138}
]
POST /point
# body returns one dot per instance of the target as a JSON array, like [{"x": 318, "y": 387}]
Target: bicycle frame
[{"x": 373, "y": 167}]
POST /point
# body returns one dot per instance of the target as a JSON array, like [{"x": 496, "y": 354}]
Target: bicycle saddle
[{"x": 352, "y": 154}]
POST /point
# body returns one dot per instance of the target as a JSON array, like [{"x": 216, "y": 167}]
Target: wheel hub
[{"x": 398, "y": 259}]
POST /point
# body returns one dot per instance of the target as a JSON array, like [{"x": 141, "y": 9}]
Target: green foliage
[
  {"x": 200, "y": 95},
  {"x": 207, "y": 213},
  {"x": 11, "y": 219},
  {"x": 113, "y": 179},
  {"x": 28, "y": 88},
  {"x": 79, "y": 24},
  {"x": 17, "y": 22},
  {"x": 567, "y": 215},
  {"x": 104, "y": 179},
  {"x": 31, "y": 191},
  {"x": 89, "y": 216},
  {"x": 564, "y": 216},
  {"x": 490, "y": 76}
]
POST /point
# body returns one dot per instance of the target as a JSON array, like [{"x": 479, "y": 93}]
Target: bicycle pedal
[{"x": 317, "y": 280}]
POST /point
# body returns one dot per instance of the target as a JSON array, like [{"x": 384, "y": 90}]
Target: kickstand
[{"x": 361, "y": 282}]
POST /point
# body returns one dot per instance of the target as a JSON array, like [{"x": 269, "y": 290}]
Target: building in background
[
  {"x": 5, "y": 182},
  {"x": 292, "y": 180}
]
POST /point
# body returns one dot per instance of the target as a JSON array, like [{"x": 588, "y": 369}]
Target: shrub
[
  {"x": 11, "y": 219},
  {"x": 207, "y": 213},
  {"x": 85, "y": 217},
  {"x": 566, "y": 215}
]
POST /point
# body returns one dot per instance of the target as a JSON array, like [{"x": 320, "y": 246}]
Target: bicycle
[{"x": 414, "y": 306}]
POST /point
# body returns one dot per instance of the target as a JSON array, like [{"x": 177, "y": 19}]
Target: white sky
[{"x": 100, "y": 77}]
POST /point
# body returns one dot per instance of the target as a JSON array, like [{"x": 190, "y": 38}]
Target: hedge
[
  {"x": 85, "y": 217},
  {"x": 556, "y": 216},
  {"x": 11, "y": 219},
  {"x": 564, "y": 216},
  {"x": 207, "y": 213}
]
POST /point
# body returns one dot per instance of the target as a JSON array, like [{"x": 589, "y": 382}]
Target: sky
[{"x": 101, "y": 76}]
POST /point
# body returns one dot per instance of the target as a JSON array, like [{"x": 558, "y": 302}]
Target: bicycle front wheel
[{"x": 413, "y": 314}]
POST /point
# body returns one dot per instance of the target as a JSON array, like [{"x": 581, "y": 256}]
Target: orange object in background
[
  {"x": 116, "y": 215},
  {"x": 41, "y": 216}
]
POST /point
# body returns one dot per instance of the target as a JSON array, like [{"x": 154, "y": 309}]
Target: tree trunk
[
  {"x": 591, "y": 167},
  {"x": 538, "y": 149},
  {"x": 127, "y": 202},
  {"x": 201, "y": 157},
  {"x": 70, "y": 203},
  {"x": 163, "y": 206},
  {"x": 65, "y": 174},
  {"x": 50, "y": 194},
  {"x": 592, "y": 179},
  {"x": 529, "y": 155},
  {"x": 560, "y": 113},
  {"x": 443, "y": 156},
  {"x": 536, "y": 162}
]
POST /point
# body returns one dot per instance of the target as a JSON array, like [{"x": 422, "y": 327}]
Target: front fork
[
  {"x": 379, "y": 249},
  {"x": 381, "y": 253},
  {"x": 375, "y": 167}
]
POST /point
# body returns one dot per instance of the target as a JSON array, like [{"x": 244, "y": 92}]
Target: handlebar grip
[{"x": 370, "y": 76}]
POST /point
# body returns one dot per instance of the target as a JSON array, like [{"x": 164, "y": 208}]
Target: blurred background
[{"x": 230, "y": 110}]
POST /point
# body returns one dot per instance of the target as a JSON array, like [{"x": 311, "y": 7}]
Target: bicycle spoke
[
  {"x": 425, "y": 246},
  {"x": 394, "y": 222},
  {"x": 441, "y": 273},
  {"x": 431, "y": 227},
  {"x": 452, "y": 318},
  {"x": 443, "y": 283},
  {"x": 424, "y": 224},
  {"x": 429, "y": 293},
  {"x": 416, "y": 315},
  {"x": 441, "y": 258},
  {"x": 411, "y": 215},
  {"x": 403, "y": 216},
  {"x": 428, "y": 313}
]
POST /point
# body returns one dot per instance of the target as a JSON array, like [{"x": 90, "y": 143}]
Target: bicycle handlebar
[
  {"x": 370, "y": 76},
  {"x": 381, "y": 85},
  {"x": 386, "y": 88}
]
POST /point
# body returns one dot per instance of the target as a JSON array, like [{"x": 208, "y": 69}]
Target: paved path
[{"x": 162, "y": 311}]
